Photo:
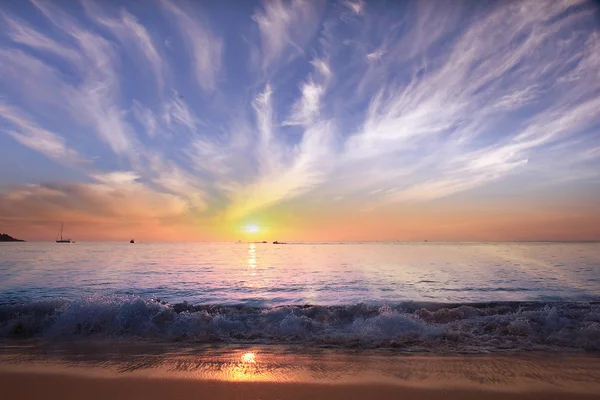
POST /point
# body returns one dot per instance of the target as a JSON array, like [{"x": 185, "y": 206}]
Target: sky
[{"x": 300, "y": 120}]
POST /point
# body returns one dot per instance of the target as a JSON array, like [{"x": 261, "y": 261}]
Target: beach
[
  {"x": 311, "y": 321},
  {"x": 267, "y": 372},
  {"x": 55, "y": 386}
]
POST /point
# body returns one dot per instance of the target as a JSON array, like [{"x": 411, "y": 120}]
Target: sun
[{"x": 252, "y": 228}]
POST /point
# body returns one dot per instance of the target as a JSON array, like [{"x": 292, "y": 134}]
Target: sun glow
[{"x": 252, "y": 228}]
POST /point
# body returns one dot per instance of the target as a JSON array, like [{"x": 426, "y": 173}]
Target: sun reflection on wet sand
[
  {"x": 577, "y": 373},
  {"x": 247, "y": 369},
  {"x": 248, "y": 358}
]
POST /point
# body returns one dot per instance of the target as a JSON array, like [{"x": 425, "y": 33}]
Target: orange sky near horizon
[{"x": 437, "y": 222}]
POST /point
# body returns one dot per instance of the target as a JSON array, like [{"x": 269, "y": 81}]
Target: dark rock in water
[{"x": 4, "y": 237}]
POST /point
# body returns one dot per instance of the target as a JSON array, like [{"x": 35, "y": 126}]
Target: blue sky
[{"x": 175, "y": 111}]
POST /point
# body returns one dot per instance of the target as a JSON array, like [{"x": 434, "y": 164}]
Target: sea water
[{"x": 459, "y": 297}]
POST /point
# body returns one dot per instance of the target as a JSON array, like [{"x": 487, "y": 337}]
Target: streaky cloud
[
  {"x": 204, "y": 47},
  {"x": 29, "y": 134},
  {"x": 285, "y": 28},
  {"x": 145, "y": 117},
  {"x": 23, "y": 33},
  {"x": 127, "y": 28}
]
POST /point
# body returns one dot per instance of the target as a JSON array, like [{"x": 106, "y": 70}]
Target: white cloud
[
  {"x": 356, "y": 6},
  {"x": 205, "y": 48},
  {"x": 268, "y": 154},
  {"x": 33, "y": 79},
  {"x": 132, "y": 33},
  {"x": 443, "y": 112},
  {"x": 145, "y": 117},
  {"x": 177, "y": 111},
  {"x": 23, "y": 33},
  {"x": 286, "y": 25},
  {"x": 29, "y": 134},
  {"x": 376, "y": 55},
  {"x": 307, "y": 107},
  {"x": 322, "y": 67},
  {"x": 58, "y": 17},
  {"x": 284, "y": 174},
  {"x": 94, "y": 101},
  {"x": 169, "y": 177}
]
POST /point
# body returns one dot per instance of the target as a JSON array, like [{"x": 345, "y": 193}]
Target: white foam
[{"x": 410, "y": 326}]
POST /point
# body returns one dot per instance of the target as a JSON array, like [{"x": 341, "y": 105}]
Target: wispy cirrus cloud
[
  {"x": 356, "y": 6},
  {"x": 29, "y": 134},
  {"x": 461, "y": 102},
  {"x": 145, "y": 117},
  {"x": 286, "y": 27},
  {"x": 308, "y": 107},
  {"x": 205, "y": 48},
  {"x": 127, "y": 29},
  {"x": 23, "y": 33},
  {"x": 284, "y": 172},
  {"x": 92, "y": 99},
  {"x": 176, "y": 111}
]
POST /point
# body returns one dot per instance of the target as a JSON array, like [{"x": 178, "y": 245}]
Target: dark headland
[{"x": 5, "y": 237}]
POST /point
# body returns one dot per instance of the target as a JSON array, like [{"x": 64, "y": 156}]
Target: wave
[{"x": 410, "y": 326}]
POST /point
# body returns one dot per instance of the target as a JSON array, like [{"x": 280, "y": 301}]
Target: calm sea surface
[{"x": 268, "y": 275}]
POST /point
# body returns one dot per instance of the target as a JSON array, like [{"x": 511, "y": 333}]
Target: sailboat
[{"x": 61, "y": 240}]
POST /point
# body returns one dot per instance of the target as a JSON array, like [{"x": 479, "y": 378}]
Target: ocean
[{"x": 414, "y": 297}]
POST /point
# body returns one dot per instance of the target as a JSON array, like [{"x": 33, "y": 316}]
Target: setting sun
[{"x": 252, "y": 228}]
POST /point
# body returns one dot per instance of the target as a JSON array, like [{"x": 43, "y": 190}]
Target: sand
[
  {"x": 252, "y": 373},
  {"x": 49, "y": 386}
]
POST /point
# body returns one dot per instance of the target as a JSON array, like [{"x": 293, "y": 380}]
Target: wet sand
[
  {"x": 50, "y": 386},
  {"x": 272, "y": 372}
]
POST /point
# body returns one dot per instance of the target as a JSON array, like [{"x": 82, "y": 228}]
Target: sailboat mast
[{"x": 61, "y": 229}]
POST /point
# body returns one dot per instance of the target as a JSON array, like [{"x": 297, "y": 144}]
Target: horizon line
[{"x": 321, "y": 241}]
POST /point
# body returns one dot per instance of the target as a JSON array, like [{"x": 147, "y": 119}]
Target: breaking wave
[{"x": 410, "y": 326}]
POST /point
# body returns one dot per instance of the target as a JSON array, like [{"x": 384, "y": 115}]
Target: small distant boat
[
  {"x": 276, "y": 242},
  {"x": 132, "y": 241},
  {"x": 61, "y": 240}
]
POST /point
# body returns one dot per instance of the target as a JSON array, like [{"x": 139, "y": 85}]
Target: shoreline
[{"x": 283, "y": 372}]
